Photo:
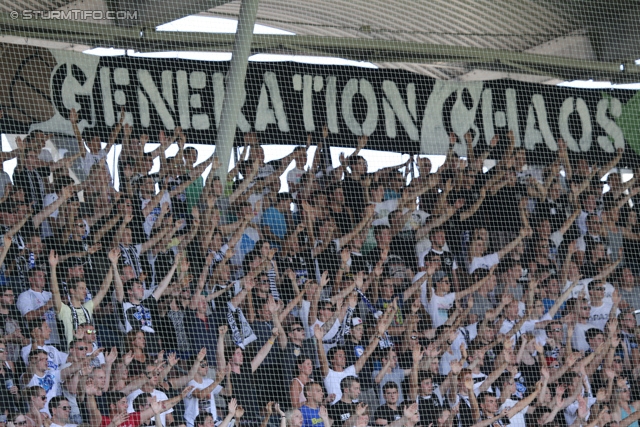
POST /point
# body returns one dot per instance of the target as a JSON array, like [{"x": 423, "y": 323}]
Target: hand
[
  {"x": 583, "y": 411},
  {"x": 222, "y": 330},
  {"x": 111, "y": 356},
  {"x": 452, "y": 139},
  {"x": 128, "y": 358},
  {"x": 324, "y": 414},
  {"x": 232, "y": 405},
  {"x": 468, "y": 384},
  {"x": 94, "y": 248},
  {"x": 324, "y": 280},
  {"x": 73, "y": 116},
  {"x": 222, "y": 373},
  {"x": 239, "y": 412},
  {"x": 201, "y": 354},
  {"x": 318, "y": 332},
  {"x": 362, "y": 141},
  {"x": 610, "y": 373},
  {"x": 53, "y": 258},
  {"x": 269, "y": 408},
  {"x": 361, "y": 408},
  {"x": 272, "y": 306},
  {"x": 187, "y": 391},
  {"x": 411, "y": 410},
  {"x": 119, "y": 419},
  {"x": 544, "y": 372},
  {"x": 330, "y": 398},
  {"x": 278, "y": 410}
]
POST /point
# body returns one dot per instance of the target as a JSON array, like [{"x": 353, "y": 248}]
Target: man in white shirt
[
  {"x": 39, "y": 374},
  {"x": 40, "y": 333},
  {"x": 36, "y": 303},
  {"x": 600, "y": 307},
  {"x": 333, "y": 377},
  {"x": 581, "y": 312},
  {"x": 60, "y": 408},
  {"x": 153, "y": 374}
]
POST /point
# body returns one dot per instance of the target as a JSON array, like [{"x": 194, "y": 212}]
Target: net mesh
[{"x": 394, "y": 213}]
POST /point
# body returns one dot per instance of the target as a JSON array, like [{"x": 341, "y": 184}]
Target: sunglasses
[
  {"x": 298, "y": 329},
  {"x": 204, "y": 365},
  {"x": 65, "y": 408},
  {"x": 43, "y": 397},
  {"x": 81, "y": 348},
  {"x": 90, "y": 331},
  {"x": 21, "y": 423},
  {"x": 2, "y": 350},
  {"x": 556, "y": 330}
]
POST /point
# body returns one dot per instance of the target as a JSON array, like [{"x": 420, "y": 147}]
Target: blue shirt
[
  {"x": 548, "y": 303},
  {"x": 311, "y": 417},
  {"x": 276, "y": 222}
]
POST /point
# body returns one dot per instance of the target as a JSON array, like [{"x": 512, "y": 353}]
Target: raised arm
[
  {"x": 381, "y": 328},
  {"x": 104, "y": 288},
  {"x": 525, "y": 232},
  {"x": 165, "y": 405},
  {"x": 55, "y": 289},
  {"x": 318, "y": 333},
  {"x": 266, "y": 348},
  {"x": 167, "y": 279},
  {"x": 114, "y": 255}
]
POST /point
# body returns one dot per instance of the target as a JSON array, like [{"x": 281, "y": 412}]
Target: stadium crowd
[{"x": 461, "y": 297}]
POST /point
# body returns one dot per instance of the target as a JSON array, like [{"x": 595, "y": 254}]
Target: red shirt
[{"x": 132, "y": 421}]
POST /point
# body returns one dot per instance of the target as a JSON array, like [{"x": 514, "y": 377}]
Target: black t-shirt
[
  {"x": 386, "y": 413},
  {"x": 354, "y": 196},
  {"x": 344, "y": 221},
  {"x": 32, "y": 183},
  {"x": 429, "y": 408},
  {"x": 244, "y": 390},
  {"x": 341, "y": 412}
]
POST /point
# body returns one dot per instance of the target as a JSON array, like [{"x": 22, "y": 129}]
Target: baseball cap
[{"x": 356, "y": 321}]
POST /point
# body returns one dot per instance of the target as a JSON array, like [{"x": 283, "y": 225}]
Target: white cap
[{"x": 356, "y": 321}]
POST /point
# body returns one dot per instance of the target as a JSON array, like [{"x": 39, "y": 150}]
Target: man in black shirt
[
  {"x": 389, "y": 412},
  {"x": 429, "y": 403},
  {"x": 345, "y": 412}
]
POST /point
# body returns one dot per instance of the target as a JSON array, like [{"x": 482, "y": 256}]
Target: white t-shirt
[
  {"x": 56, "y": 357},
  {"x": 579, "y": 340},
  {"x": 438, "y": 307},
  {"x": 333, "y": 379},
  {"x": 518, "y": 419},
  {"x": 160, "y": 397},
  {"x": 91, "y": 159},
  {"x": 192, "y": 403},
  {"x": 382, "y": 211},
  {"x": 600, "y": 315},
  {"x": 50, "y": 382},
  {"x": 332, "y": 333},
  {"x": 151, "y": 219},
  {"x": 584, "y": 285},
  {"x": 31, "y": 300},
  {"x": 485, "y": 262}
]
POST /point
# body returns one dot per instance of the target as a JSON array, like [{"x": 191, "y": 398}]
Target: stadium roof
[{"x": 531, "y": 40}]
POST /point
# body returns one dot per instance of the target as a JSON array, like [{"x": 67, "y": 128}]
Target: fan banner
[{"x": 398, "y": 110}]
